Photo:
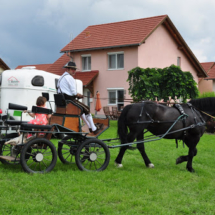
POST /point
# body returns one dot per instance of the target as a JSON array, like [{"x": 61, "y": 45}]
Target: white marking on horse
[
  {"x": 151, "y": 165},
  {"x": 118, "y": 165}
]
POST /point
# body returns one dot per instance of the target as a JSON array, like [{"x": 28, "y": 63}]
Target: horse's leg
[
  {"x": 191, "y": 154},
  {"x": 191, "y": 141},
  {"x": 118, "y": 160},
  {"x": 184, "y": 157},
  {"x": 141, "y": 148}
]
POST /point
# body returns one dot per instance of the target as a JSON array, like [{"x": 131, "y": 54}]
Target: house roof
[
  {"x": 43, "y": 67},
  {"x": 3, "y": 65},
  {"x": 86, "y": 77},
  {"x": 117, "y": 34},
  {"x": 129, "y": 33},
  {"x": 207, "y": 66},
  {"x": 210, "y": 69},
  {"x": 57, "y": 66}
]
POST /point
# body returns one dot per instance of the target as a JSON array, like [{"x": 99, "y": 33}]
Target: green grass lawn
[{"x": 133, "y": 189}]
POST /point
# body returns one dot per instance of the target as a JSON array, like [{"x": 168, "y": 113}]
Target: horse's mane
[{"x": 205, "y": 104}]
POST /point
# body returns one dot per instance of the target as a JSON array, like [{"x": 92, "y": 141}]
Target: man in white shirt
[{"x": 67, "y": 86}]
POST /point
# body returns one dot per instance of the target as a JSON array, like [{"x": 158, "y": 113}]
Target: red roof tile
[
  {"x": 57, "y": 66},
  {"x": 207, "y": 66},
  {"x": 115, "y": 34},
  {"x": 43, "y": 67},
  {"x": 86, "y": 77},
  {"x": 211, "y": 72}
]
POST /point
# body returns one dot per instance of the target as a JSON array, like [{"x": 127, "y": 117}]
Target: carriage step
[{"x": 9, "y": 158}]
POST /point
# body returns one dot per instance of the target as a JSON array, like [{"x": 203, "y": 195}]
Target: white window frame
[
  {"x": 116, "y": 95},
  {"x": 86, "y": 55},
  {"x": 116, "y": 53}
]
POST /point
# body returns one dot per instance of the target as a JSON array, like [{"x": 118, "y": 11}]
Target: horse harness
[{"x": 196, "y": 115}]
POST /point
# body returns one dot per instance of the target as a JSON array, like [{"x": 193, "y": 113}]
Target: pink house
[{"x": 105, "y": 53}]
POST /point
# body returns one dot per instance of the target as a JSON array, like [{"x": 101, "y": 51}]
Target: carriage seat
[
  {"x": 33, "y": 126},
  {"x": 66, "y": 106},
  {"x": 41, "y": 110},
  {"x": 12, "y": 106},
  {"x": 14, "y": 122},
  {"x": 41, "y": 130}
]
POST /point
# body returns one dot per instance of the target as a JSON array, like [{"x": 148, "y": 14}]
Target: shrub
[
  {"x": 171, "y": 81},
  {"x": 207, "y": 94}
]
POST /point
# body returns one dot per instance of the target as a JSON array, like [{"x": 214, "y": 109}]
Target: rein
[
  {"x": 168, "y": 103},
  {"x": 207, "y": 114}
]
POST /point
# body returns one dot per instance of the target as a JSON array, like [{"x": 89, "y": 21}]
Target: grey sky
[{"x": 34, "y": 31}]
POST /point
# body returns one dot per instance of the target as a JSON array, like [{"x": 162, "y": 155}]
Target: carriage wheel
[
  {"x": 38, "y": 156},
  {"x": 13, "y": 151},
  {"x": 92, "y": 155},
  {"x": 67, "y": 149}
]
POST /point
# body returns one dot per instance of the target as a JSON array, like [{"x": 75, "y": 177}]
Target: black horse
[{"x": 157, "y": 119}]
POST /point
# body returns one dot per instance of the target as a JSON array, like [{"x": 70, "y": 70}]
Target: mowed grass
[{"x": 133, "y": 189}]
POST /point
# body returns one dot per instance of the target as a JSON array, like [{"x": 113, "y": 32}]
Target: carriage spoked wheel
[
  {"x": 38, "y": 156},
  {"x": 92, "y": 155},
  {"x": 67, "y": 149},
  {"x": 12, "y": 151}
]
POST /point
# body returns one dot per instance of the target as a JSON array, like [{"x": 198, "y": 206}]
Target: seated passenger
[
  {"x": 67, "y": 86},
  {"x": 40, "y": 119}
]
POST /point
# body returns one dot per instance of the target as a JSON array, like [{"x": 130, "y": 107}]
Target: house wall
[
  {"x": 213, "y": 85},
  {"x": 109, "y": 78},
  {"x": 206, "y": 86},
  {"x": 160, "y": 50}
]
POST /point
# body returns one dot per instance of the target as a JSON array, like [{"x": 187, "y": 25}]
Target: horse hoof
[
  {"x": 190, "y": 169},
  {"x": 151, "y": 165},
  {"x": 118, "y": 165},
  {"x": 178, "y": 161}
]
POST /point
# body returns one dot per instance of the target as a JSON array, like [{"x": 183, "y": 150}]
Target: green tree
[{"x": 161, "y": 83}]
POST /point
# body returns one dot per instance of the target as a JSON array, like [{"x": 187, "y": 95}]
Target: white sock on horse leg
[
  {"x": 90, "y": 120},
  {"x": 119, "y": 165},
  {"x": 85, "y": 120},
  {"x": 151, "y": 165}
]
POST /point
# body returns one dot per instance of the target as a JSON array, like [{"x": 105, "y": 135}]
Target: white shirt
[{"x": 67, "y": 84}]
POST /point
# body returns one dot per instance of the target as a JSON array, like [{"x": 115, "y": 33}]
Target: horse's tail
[{"x": 122, "y": 126}]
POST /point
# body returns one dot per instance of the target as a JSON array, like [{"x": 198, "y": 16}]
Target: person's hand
[
  {"x": 25, "y": 111},
  {"x": 79, "y": 96}
]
